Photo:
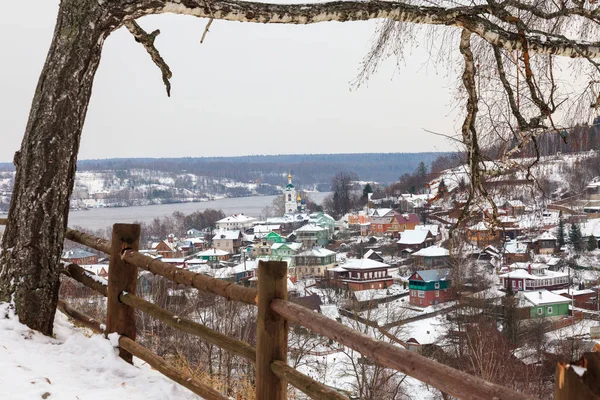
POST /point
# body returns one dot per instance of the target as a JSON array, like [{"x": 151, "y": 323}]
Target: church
[{"x": 294, "y": 203}]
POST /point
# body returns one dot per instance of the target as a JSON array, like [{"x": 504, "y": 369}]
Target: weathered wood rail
[{"x": 274, "y": 313}]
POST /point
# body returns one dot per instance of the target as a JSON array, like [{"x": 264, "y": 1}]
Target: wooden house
[{"x": 429, "y": 287}]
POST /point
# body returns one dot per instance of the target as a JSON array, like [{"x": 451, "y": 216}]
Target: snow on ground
[{"x": 73, "y": 365}]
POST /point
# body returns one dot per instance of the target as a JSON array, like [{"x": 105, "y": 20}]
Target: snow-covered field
[{"x": 73, "y": 365}]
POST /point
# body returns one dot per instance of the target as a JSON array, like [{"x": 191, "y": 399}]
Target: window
[
  {"x": 540, "y": 311},
  {"x": 437, "y": 293},
  {"x": 421, "y": 293},
  {"x": 520, "y": 284},
  {"x": 437, "y": 285},
  {"x": 549, "y": 310}
]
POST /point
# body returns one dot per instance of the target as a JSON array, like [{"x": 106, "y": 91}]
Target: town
[{"x": 401, "y": 268}]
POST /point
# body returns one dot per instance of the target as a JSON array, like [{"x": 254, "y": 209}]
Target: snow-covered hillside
[
  {"x": 554, "y": 171},
  {"x": 73, "y": 365}
]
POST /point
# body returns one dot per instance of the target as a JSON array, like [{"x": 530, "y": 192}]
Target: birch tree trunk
[{"x": 33, "y": 239}]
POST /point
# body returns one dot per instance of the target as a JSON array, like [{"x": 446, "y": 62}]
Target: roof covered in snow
[
  {"x": 541, "y": 297},
  {"x": 415, "y": 236},
  {"x": 363, "y": 263},
  {"x": 432, "y": 251}
]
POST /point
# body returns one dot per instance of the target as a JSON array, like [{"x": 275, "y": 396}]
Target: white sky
[{"x": 249, "y": 89}]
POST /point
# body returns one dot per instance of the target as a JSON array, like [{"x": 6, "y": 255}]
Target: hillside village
[{"x": 526, "y": 278}]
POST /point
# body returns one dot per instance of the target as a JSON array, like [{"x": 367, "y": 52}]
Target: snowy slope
[{"x": 73, "y": 365}]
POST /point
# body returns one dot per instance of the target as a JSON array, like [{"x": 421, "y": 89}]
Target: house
[
  {"x": 193, "y": 233},
  {"x": 482, "y": 234},
  {"x": 546, "y": 243},
  {"x": 381, "y": 221},
  {"x": 262, "y": 248},
  {"x": 274, "y": 237},
  {"x": 373, "y": 255},
  {"x": 514, "y": 207},
  {"x": 402, "y": 222},
  {"x": 429, "y": 287},
  {"x": 229, "y": 240},
  {"x": 324, "y": 221},
  {"x": 79, "y": 256},
  {"x": 355, "y": 220},
  {"x": 432, "y": 257},
  {"x": 545, "y": 304},
  {"x": 434, "y": 229},
  {"x": 515, "y": 252},
  {"x": 361, "y": 274},
  {"x": 314, "y": 262},
  {"x": 168, "y": 248},
  {"x": 310, "y": 235},
  {"x": 415, "y": 240},
  {"x": 533, "y": 276},
  {"x": 285, "y": 249},
  {"x": 584, "y": 298},
  {"x": 214, "y": 255},
  {"x": 235, "y": 222},
  {"x": 239, "y": 273},
  {"x": 261, "y": 231}
]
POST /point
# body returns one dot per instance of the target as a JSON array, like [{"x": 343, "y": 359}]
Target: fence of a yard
[{"x": 274, "y": 314}]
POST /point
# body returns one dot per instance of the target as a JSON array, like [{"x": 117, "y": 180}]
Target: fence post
[
  {"x": 271, "y": 330},
  {"x": 122, "y": 277}
]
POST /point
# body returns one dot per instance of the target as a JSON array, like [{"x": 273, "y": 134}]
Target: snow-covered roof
[
  {"x": 291, "y": 245},
  {"x": 545, "y": 236},
  {"x": 540, "y": 297},
  {"x": 76, "y": 253},
  {"x": 95, "y": 268},
  {"x": 433, "y": 275},
  {"x": 515, "y": 203},
  {"x": 236, "y": 218},
  {"x": 432, "y": 251},
  {"x": 371, "y": 252},
  {"x": 480, "y": 226},
  {"x": 434, "y": 229},
  {"x": 523, "y": 274},
  {"x": 515, "y": 247},
  {"x": 415, "y": 236},
  {"x": 212, "y": 252},
  {"x": 266, "y": 228},
  {"x": 317, "y": 252},
  {"x": 227, "y": 235},
  {"x": 310, "y": 228},
  {"x": 381, "y": 212},
  {"x": 363, "y": 263}
]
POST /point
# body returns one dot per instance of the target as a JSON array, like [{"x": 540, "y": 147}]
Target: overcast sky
[{"x": 249, "y": 89}]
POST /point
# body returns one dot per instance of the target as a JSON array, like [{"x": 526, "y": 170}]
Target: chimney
[
  {"x": 529, "y": 269},
  {"x": 540, "y": 293}
]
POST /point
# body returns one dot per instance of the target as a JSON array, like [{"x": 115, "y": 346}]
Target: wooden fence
[{"x": 274, "y": 313}]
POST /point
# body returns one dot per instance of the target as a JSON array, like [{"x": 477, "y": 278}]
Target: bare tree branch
[{"x": 147, "y": 40}]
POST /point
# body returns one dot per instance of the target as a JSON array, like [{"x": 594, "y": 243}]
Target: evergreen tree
[
  {"x": 366, "y": 190},
  {"x": 560, "y": 234},
  {"x": 442, "y": 189},
  {"x": 575, "y": 237},
  {"x": 592, "y": 244}
]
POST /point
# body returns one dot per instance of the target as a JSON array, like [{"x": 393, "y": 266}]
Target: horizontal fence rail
[{"x": 271, "y": 328}]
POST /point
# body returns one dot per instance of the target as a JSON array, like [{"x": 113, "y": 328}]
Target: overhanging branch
[{"x": 473, "y": 18}]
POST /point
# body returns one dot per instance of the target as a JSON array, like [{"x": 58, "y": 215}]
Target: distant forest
[{"x": 308, "y": 170}]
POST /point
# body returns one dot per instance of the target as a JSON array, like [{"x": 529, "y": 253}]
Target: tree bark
[{"x": 33, "y": 240}]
